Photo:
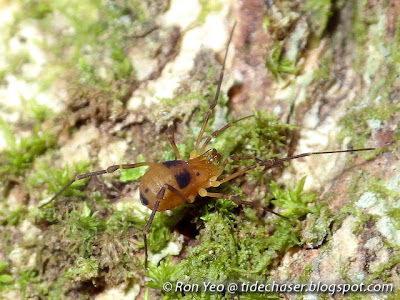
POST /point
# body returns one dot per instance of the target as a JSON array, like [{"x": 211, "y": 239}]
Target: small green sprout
[
  {"x": 25, "y": 279},
  {"x": 22, "y": 152},
  {"x": 294, "y": 201},
  {"x": 37, "y": 111},
  {"x": 277, "y": 63},
  {"x": 165, "y": 272},
  {"x": 83, "y": 228},
  {"x": 86, "y": 222},
  {"x": 320, "y": 12},
  {"x": 5, "y": 279},
  {"x": 13, "y": 217}
]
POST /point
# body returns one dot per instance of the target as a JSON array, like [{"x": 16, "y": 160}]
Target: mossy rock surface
[{"x": 86, "y": 85}]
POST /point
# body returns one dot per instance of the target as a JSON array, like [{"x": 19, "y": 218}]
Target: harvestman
[{"x": 169, "y": 184}]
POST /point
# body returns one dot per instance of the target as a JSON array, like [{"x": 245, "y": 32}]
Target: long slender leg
[
  {"x": 160, "y": 196},
  {"x": 214, "y": 102},
  {"x": 110, "y": 169},
  {"x": 274, "y": 162},
  {"x": 171, "y": 140},
  {"x": 237, "y": 200},
  {"x": 161, "y": 193},
  {"x": 266, "y": 163},
  {"x": 234, "y": 157},
  {"x": 219, "y": 131},
  {"x": 147, "y": 229}
]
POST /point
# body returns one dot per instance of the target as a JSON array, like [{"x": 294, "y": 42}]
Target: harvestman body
[{"x": 169, "y": 184}]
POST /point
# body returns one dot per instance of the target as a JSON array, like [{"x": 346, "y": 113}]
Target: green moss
[
  {"x": 323, "y": 73},
  {"x": 393, "y": 296},
  {"x": 394, "y": 214},
  {"x": 5, "y": 279},
  {"x": 164, "y": 272},
  {"x": 319, "y": 13},
  {"x": 265, "y": 140},
  {"x": 36, "y": 111},
  {"x": 93, "y": 243},
  {"x": 14, "y": 64},
  {"x": 277, "y": 63},
  {"x": 362, "y": 18},
  {"x": 27, "y": 278},
  {"x": 160, "y": 232},
  {"x": 54, "y": 180},
  {"x": 21, "y": 153},
  {"x": 306, "y": 273},
  {"x": 13, "y": 217},
  {"x": 295, "y": 202},
  {"x": 86, "y": 221},
  {"x": 122, "y": 220},
  {"x": 83, "y": 270},
  {"x": 235, "y": 247},
  {"x": 92, "y": 247}
]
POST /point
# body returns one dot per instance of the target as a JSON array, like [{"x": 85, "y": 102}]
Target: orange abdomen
[{"x": 188, "y": 177}]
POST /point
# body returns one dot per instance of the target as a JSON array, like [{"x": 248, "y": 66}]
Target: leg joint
[{"x": 112, "y": 169}]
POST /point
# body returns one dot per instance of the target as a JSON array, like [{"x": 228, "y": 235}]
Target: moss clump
[
  {"x": 22, "y": 152},
  {"x": 265, "y": 140},
  {"x": 295, "y": 202},
  {"x": 238, "y": 246},
  {"x": 13, "y": 217},
  {"x": 5, "y": 279},
  {"x": 166, "y": 271},
  {"x": 55, "y": 179},
  {"x": 87, "y": 247},
  {"x": 83, "y": 270},
  {"x": 319, "y": 13},
  {"x": 277, "y": 63}
]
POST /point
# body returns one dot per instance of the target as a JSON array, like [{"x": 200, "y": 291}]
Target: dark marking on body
[
  {"x": 144, "y": 200},
  {"x": 183, "y": 179},
  {"x": 172, "y": 163}
]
